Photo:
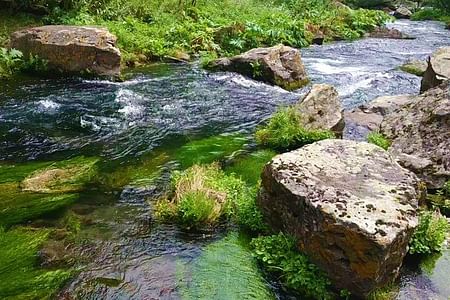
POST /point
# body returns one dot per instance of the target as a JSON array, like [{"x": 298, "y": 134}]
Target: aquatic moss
[
  {"x": 249, "y": 167},
  {"x": 378, "y": 139},
  {"x": 278, "y": 254},
  {"x": 285, "y": 131},
  {"x": 20, "y": 274},
  {"x": 210, "y": 149},
  {"x": 226, "y": 270},
  {"x": 19, "y": 207}
]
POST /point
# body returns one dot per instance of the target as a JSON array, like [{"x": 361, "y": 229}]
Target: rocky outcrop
[
  {"x": 371, "y": 115},
  {"x": 351, "y": 207},
  {"x": 387, "y": 33},
  {"x": 420, "y": 135},
  {"x": 71, "y": 49},
  {"x": 402, "y": 13},
  {"x": 438, "y": 69},
  {"x": 279, "y": 65},
  {"x": 321, "y": 109},
  {"x": 415, "y": 66}
]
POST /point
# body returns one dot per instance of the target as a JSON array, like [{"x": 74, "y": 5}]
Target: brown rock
[
  {"x": 387, "y": 33},
  {"x": 438, "y": 69},
  {"x": 279, "y": 65},
  {"x": 72, "y": 49},
  {"x": 420, "y": 135},
  {"x": 351, "y": 207},
  {"x": 321, "y": 109}
]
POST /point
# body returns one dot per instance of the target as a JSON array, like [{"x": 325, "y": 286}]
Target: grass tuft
[{"x": 378, "y": 139}]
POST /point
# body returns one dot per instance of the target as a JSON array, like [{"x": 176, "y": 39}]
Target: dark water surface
[{"x": 162, "y": 107}]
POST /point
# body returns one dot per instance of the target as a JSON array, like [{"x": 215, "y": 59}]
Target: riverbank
[{"x": 179, "y": 29}]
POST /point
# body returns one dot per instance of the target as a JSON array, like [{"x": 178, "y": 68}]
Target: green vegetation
[
  {"x": 411, "y": 68},
  {"x": 430, "y": 234},
  {"x": 226, "y": 270},
  {"x": 147, "y": 30},
  {"x": 249, "y": 167},
  {"x": 20, "y": 277},
  {"x": 389, "y": 292},
  {"x": 207, "y": 150},
  {"x": 31, "y": 190},
  {"x": 284, "y": 131},
  {"x": 378, "y": 139},
  {"x": 203, "y": 195},
  {"x": 441, "y": 199},
  {"x": 12, "y": 62},
  {"x": 278, "y": 254},
  {"x": 438, "y": 10}
]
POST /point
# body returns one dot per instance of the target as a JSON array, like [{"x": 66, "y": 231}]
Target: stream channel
[{"x": 163, "y": 118}]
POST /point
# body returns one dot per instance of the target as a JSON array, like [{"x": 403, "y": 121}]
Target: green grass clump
[
  {"x": 226, "y": 270},
  {"x": 432, "y": 13},
  {"x": 249, "y": 167},
  {"x": 430, "y": 234},
  {"x": 284, "y": 131},
  {"x": 203, "y": 195},
  {"x": 378, "y": 139},
  {"x": 20, "y": 274},
  {"x": 278, "y": 254},
  {"x": 210, "y": 149},
  {"x": 390, "y": 292}
]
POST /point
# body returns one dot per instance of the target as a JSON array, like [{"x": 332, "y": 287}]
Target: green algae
[
  {"x": 249, "y": 167},
  {"x": 20, "y": 275},
  {"x": 226, "y": 270},
  {"x": 210, "y": 149},
  {"x": 139, "y": 174}
]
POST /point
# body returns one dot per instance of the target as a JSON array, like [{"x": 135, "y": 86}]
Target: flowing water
[{"x": 164, "y": 110}]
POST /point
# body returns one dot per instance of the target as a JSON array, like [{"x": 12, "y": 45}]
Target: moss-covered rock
[
  {"x": 20, "y": 276},
  {"x": 415, "y": 67}
]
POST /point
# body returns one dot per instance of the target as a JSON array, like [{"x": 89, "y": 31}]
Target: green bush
[
  {"x": 278, "y": 254},
  {"x": 10, "y": 62},
  {"x": 441, "y": 199},
  {"x": 378, "y": 139},
  {"x": 430, "y": 234},
  {"x": 203, "y": 195},
  {"x": 284, "y": 131}
]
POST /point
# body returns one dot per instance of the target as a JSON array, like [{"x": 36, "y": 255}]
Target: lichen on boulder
[
  {"x": 279, "y": 65},
  {"x": 351, "y": 207}
]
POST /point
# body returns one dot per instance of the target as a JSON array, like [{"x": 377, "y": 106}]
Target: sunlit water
[{"x": 159, "y": 107}]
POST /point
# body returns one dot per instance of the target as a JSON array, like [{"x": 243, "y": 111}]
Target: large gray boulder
[
  {"x": 71, "y": 49},
  {"x": 371, "y": 115},
  {"x": 402, "y": 13},
  {"x": 438, "y": 69},
  {"x": 351, "y": 207},
  {"x": 279, "y": 65},
  {"x": 321, "y": 109},
  {"x": 420, "y": 135}
]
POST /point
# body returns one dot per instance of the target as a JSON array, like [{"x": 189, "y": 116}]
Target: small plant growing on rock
[
  {"x": 378, "y": 139},
  {"x": 285, "y": 131},
  {"x": 430, "y": 234},
  {"x": 278, "y": 254},
  {"x": 441, "y": 199}
]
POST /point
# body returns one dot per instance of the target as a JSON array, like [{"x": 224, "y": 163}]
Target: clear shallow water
[{"x": 159, "y": 108}]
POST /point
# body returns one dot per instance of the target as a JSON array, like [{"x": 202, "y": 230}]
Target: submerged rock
[
  {"x": 438, "y": 69},
  {"x": 321, "y": 109},
  {"x": 415, "y": 66},
  {"x": 279, "y": 65},
  {"x": 371, "y": 115},
  {"x": 387, "y": 33},
  {"x": 420, "y": 135},
  {"x": 349, "y": 204},
  {"x": 72, "y": 49}
]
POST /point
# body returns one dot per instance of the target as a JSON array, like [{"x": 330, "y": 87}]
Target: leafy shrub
[
  {"x": 202, "y": 195},
  {"x": 278, "y": 254},
  {"x": 10, "y": 62},
  {"x": 378, "y": 139},
  {"x": 430, "y": 234},
  {"x": 285, "y": 131}
]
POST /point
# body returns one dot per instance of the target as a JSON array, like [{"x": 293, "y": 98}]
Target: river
[{"x": 159, "y": 110}]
